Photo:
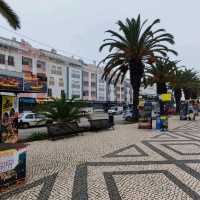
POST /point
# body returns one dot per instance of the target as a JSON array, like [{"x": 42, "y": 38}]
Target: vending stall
[{"x": 12, "y": 154}]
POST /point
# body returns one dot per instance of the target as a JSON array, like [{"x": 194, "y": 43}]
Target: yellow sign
[
  {"x": 166, "y": 97},
  {"x": 141, "y": 103},
  {"x": 7, "y": 103}
]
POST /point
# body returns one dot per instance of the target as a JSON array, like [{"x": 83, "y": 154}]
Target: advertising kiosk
[
  {"x": 165, "y": 100},
  {"x": 145, "y": 115},
  {"x": 12, "y": 155}
]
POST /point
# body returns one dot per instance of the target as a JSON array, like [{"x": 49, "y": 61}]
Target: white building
[
  {"x": 74, "y": 77},
  {"x": 50, "y": 74},
  {"x": 101, "y": 86}
]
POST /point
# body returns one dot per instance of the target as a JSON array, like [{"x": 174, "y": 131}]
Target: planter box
[
  {"x": 63, "y": 129},
  {"x": 100, "y": 124}
]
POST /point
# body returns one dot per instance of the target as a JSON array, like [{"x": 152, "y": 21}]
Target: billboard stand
[
  {"x": 145, "y": 115},
  {"x": 12, "y": 154}
]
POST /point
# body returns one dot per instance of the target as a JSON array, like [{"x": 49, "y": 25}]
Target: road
[{"x": 26, "y": 133}]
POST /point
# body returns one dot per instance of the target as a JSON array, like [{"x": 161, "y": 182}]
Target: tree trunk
[
  {"x": 161, "y": 88},
  {"x": 177, "y": 95},
  {"x": 136, "y": 74},
  {"x": 187, "y": 93}
]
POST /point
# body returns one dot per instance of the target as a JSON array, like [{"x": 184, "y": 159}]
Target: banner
[
  {"x": 145, "y": 116},
  {"x": 34, "y": 82},
  {"x": 11, "y": 84},
  {"x": 9, "y": 122},
  {"x": 12, "y": 165},
  {"x": 8, "y": 160}
]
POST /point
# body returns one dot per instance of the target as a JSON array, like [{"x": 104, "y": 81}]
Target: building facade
[{"x": 48, "y": 74}]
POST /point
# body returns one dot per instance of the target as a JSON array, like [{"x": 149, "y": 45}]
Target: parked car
[
  {"x": 128, "y": 115},
  {"x": 28, "y": 119},
  {"x": 116, "y": 110}
]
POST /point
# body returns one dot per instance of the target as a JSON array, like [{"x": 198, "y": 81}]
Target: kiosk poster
[
  {"x": 145, "y": 116},
  {"x": 8, "y": 128},
  {"x": 12, "y": 166}
]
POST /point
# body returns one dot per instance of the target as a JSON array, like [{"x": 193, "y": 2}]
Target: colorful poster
[
  {"x": 145, "y": 116},
  {"x": 12, "y": 165},
  {"x": 9, "y": 122},
  {"x": 34, "y": 82},
  {"x": 11, "y": 84},
  {"x": 8, "y": 160}
]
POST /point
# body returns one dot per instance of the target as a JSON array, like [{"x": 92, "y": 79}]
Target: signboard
[
  {"x": 166, "y": 97},
  {"x": 12, "y": 165},
  {"x": 145, "y": 116},
  {"x": 9, "y": 122},
  {"x": 34, "y": 82},
  {"x": 11, "y": 81},
  {"x": 8, "y": 160}
]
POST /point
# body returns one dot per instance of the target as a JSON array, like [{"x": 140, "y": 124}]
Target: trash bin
[
  {"x": 158, "y": 122},
  {"x": 111, "y": 119}
]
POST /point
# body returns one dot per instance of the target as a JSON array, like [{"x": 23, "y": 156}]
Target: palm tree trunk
[
  {"x": 136, "y": 74},
  {"x": 187, "y": 93},
  {"x": 161, "y": 88},
  {"x": 177, "y": 95}
]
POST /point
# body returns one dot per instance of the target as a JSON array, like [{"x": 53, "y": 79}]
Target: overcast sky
[{"x": 78, "y": 26}]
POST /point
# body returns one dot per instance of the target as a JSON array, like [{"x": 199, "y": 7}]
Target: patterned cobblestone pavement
[{"x": 125, "y": 163}]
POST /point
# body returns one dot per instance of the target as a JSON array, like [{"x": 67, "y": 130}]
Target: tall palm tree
[
  {"x": 178, "y": 84},
  {"x": 191, "y": 83},
  {"x": 7, "y": 12},
  {"x": 160, "y": 73},
  {"x": 131, "y": 49}
]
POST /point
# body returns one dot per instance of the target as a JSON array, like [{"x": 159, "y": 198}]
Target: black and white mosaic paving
[{"x": 116, "y": 165}]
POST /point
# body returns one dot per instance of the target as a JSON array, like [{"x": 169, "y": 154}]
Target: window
[
  {"x": 76, "y": 76},
  {"x": 2, "y": 59},
  {"x": 93, "y": 84},
  {"x": 75, "y": 96},
  {"x": 85, "y": 93},
  {"x": 85, "y": 74},
  {"x": 62, "y": 93},
  {"x": 76, "y": 86},
  {"x": 86, "y": 83},
  {"x": 59, "y": 70},
  {"x": 93, "y": 94},
  {"x": 93, "y": 76},
  {"x": 51, "y": 81},
  {"x": 39, "y": 116},
  {"x": 49, "y": 92},
  {"x": 30, "y": 116},
  {"x": 61, "y": 82},
  {"x": 27, "y": 64},
  {"x": 53, "y": 69},
  {"x": 11, "y": 60},
  {"x": 26, "y": 61}
]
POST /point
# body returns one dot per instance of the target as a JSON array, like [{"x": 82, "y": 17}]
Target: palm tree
[
  {"x": 160, "y": 73},
  {"x": 191, "y": 83},
  {"x": 186, "y": 80},
  {"x": 62, "y": 110},
  {"x": 131, "y": 49},
  {"x": 177, "y": 84},
  {"x": 7, "y": 12}
]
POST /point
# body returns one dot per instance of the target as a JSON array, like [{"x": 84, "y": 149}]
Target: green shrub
[{"x": 38, "y": 136}]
